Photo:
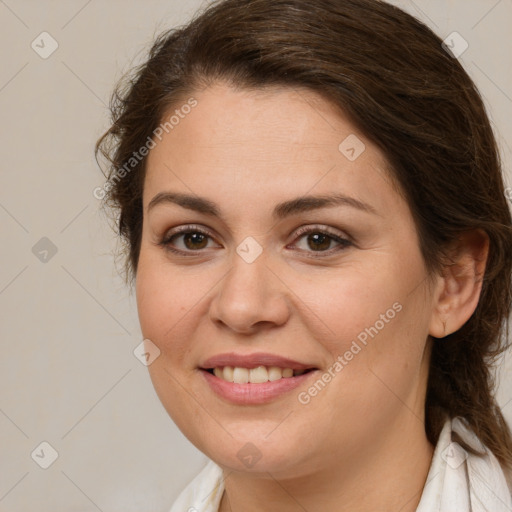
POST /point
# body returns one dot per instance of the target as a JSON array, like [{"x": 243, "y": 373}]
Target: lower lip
[{"x": 254, "y": 394}]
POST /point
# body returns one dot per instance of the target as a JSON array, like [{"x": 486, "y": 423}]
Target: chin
[{"x": 256, "y": 455}]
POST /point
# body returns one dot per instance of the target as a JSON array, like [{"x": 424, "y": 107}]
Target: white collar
[{"x": 460, "y": 481}]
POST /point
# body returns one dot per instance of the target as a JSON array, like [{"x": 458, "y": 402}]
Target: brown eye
[
  {"x": 320, "y": 241},
  {"x": 187, "y": 239},
  {"x": 194, "y": 240}
]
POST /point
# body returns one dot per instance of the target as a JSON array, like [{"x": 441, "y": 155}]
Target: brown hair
[{"x": 391, "y": 76}]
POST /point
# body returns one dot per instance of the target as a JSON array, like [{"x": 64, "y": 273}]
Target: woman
[{"x": 316, "y": 223}]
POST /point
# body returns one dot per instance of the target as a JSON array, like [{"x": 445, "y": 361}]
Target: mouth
[
  {"x": 256, "y": 378},
  {"x": 248, "y": 386},
  {"x": 257, "y": 375}
]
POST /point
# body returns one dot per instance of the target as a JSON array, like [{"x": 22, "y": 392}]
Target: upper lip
[{"x": 253, "y": 361}]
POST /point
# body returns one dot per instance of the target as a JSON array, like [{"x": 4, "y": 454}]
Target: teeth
[
  {"x": 254, "y": 375},
  {"x": 274, "y": 373},
  {"x": 228, "y": 373},
  {"x": 287, "y": 372},
  {"x": 258, "y": 375},
  {"x": 240, "y": 375}
]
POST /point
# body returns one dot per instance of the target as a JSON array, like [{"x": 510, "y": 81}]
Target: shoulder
[{"x": 203, "y": 493}]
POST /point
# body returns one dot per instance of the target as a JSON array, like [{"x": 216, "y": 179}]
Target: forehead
[{"x": 255, "y": 142}]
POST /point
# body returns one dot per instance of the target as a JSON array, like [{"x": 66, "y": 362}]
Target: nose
[{"x": 250, "y": 297}]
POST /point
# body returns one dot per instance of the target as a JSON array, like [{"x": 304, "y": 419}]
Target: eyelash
[{"x": 305, "y": 230}]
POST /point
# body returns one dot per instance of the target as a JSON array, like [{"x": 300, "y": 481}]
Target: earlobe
[{"x": 458, "y": 291}]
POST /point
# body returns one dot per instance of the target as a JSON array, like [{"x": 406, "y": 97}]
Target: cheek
[
  {"x": 164, "y": 301},
  {"x": 354, "y": 300},
  {"x": 375, "y": 317},
  {"x": 163, "y": 291}
]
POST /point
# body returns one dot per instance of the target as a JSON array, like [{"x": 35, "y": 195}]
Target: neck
[{"x": 388, "y": 475}]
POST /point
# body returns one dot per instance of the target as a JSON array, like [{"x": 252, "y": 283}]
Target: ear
[{"x": 460, "y": 283}]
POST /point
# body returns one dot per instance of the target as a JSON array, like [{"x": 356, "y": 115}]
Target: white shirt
[{"x": 457, "y": 481}]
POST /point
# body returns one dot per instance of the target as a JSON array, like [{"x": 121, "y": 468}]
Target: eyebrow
[{"x": 281, "y": 210}]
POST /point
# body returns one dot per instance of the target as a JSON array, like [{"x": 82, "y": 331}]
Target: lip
[
  {"x": 254, "y": 394},
  {"x": 250, "y": 393},
  {"x": 253, "y": 361}
]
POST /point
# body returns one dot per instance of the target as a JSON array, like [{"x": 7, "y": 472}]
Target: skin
[{"x": 247, "y": 151}]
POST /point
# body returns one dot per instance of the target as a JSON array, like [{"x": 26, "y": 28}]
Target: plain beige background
[{"x": 68, "y": 375}]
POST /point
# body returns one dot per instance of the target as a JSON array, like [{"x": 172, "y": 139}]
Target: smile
[{"x": 258, "y": 375}]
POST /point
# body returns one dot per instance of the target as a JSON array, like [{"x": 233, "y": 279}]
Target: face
[{"x": 293, "y": 250}]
